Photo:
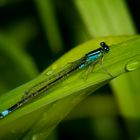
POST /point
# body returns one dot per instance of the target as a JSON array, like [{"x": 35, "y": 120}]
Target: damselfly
[{"x": 92, "y": 57}]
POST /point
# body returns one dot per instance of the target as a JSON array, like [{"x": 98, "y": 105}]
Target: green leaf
[
  {"x": 47, "y": 14},
  {"x": 49, "y": 109},
  {"x": 101, "y": 17},
  {"x": 16, "y": 66}
]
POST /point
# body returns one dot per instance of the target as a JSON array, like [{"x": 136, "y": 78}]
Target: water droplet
[
  {"x": 133, "y": 65},
  {"x": 49, "y": 72}
]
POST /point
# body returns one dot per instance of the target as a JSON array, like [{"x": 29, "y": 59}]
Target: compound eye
[
  {"x": 102, "y": 44},
  {"x": 105, "y": 47}
]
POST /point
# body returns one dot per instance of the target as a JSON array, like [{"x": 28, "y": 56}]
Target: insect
[{"x": 90, "y": 58}]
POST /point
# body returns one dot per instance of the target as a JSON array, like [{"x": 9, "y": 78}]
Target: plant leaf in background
[
  {"x": 51, "y": 108},
  {"x": 49, "y": 21},
  {"x": 16, "y": 66}
]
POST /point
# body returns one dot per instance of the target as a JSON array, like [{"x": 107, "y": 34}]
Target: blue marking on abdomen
[{"x": 4, "y": 113}]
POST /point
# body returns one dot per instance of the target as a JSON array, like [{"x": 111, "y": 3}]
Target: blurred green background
[{"x": 34, "y": 33}]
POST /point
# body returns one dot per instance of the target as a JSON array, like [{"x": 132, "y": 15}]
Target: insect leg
[{"x": 103, "y": 68}]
